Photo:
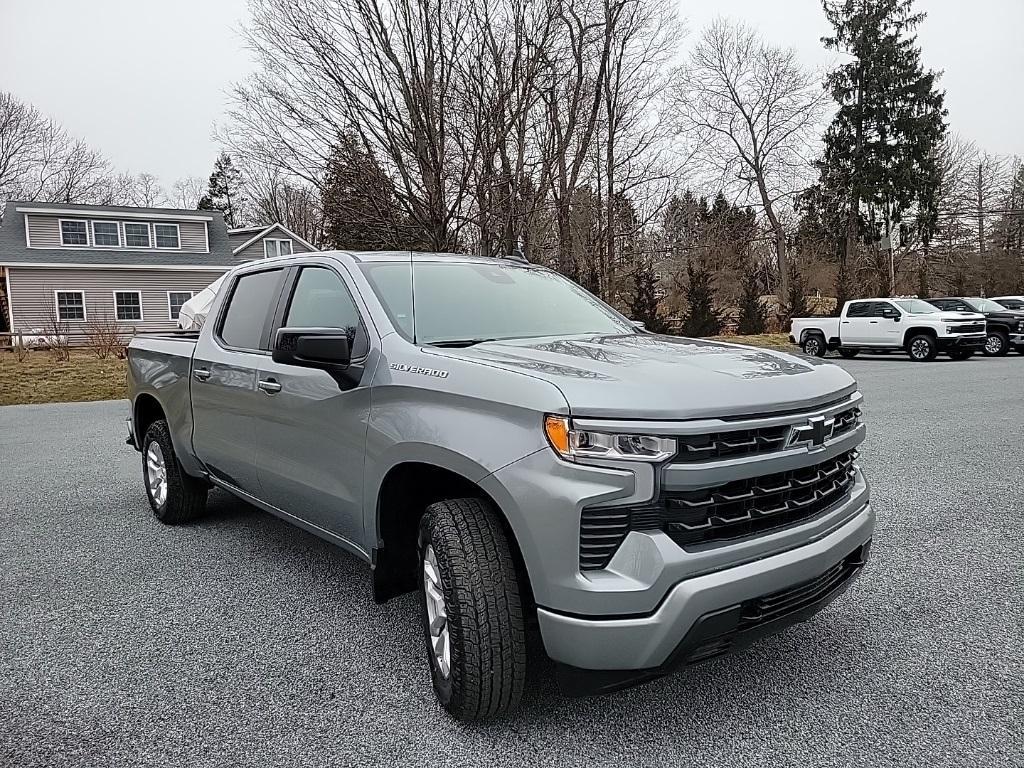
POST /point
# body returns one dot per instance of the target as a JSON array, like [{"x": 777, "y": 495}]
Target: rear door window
[
  {"x": 253, "y": 299},
  {"x": 859, "y": 309}
]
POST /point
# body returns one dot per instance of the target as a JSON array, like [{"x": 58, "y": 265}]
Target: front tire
[
  {"x": 997, "y": 344},
  {"x": 922, "y": 348},
  {"x": 174, "y": 496},
  {"x": 472, "y": 610},
  {"x": 961, "y": 355},
  {"x": 814, "y": 346}
]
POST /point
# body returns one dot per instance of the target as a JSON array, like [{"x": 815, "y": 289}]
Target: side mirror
[
  {"x": 324, "y": 348},
  {"x": 639, "y": 324}
]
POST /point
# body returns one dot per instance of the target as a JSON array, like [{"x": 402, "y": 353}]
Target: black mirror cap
[{"x": 326, "y": 348}]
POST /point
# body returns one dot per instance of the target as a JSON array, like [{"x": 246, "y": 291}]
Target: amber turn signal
[{"x": 557, "y": 430}]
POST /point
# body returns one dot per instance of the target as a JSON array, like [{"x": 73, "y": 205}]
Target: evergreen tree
[
  {"x": 798, "y": 293},
  {"x": 224, "y": 192},
  {"x": 701, "y": 320},
  {"x": 923, "y": 289},
  {"x": 881, "y": 148},
  {"x": 361, "y": 212},
  {"x": 752, "y": 314},
  {"x": 643, "y": 302}
]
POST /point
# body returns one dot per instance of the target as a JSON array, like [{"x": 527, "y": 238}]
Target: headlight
[{"x": 572, "y": 444}]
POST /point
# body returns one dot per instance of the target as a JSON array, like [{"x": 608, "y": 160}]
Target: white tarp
[{"x": 193, "y": 312}]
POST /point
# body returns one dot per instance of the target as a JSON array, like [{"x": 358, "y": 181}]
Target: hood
[
  {"x": 648, "y": 376},
  {"x": 954, "y": 317},
  {"x": 1006, "y": 314}
]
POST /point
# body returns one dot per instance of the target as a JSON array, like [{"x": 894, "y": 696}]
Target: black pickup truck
[{"x": 1005, "y": 327}]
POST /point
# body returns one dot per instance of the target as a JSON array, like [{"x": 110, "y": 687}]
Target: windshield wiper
[{"x": 458, "y": 342}]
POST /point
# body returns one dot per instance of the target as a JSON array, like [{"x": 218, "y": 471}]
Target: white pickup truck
[{"x": 883, "y": 325}]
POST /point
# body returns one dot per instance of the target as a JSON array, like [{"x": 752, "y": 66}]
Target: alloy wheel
[
  {"x": 919, "y": 349},
  {"x": 156, "y": 473},
  {"x": 437, "y": 612},
  {"x": 993, "y": 345}
]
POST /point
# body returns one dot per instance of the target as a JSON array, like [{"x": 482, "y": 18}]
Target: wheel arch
[
  {"x": 918, "y": 330},
  {"x": 404, "y": 493},
  {"x": 145, "y": 410}
]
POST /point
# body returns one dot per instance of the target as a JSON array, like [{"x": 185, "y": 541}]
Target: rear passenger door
[
  {"x": 224, "y": 378},
  {"x": 311, "y": 429},
  {"x": 856, "y": 327}
]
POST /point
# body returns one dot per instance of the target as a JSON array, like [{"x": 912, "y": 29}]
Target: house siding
[
  {"x": 255, "y": 251},
  {"x": 44, "y": 232},
  {"x": 32, "y": 295}
]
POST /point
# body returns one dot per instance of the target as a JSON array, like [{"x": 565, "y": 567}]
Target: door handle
[
  {"x": 201, "y": 374},
  {"x": 873, "y": 322},
  {"x": 846, "y": 322},
  {"x": 269, "y": 386}
]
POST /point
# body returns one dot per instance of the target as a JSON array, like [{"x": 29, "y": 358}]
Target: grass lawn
[
  {"x": 769, "y": 340},
  {"x": 40, "y": 379}
]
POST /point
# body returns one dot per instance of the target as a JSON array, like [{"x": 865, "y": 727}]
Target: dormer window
[
  {"x": 73, "y": 232},
  {"x": 166, "y": 235},
  {"x": 136, "y": 235},
  {"x": 106, "y": 233}
]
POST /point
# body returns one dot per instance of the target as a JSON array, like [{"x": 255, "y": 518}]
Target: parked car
[
  {"x": 1005, "y": 327},
  {"x": 1010, "y": 302},
  {"x": 487, "y": 432},
  {"x": 884, "y": 325}
]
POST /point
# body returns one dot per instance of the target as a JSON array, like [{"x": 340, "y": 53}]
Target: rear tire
[
  {"x": 922, "y": 348},
  {"x": 997, "y": 344},
  {"x": 814, "y": 346},
  {"x": 174, "y": 496},
  {"x": 475, "y": 634},
  {"x": 849, "y": 354}
]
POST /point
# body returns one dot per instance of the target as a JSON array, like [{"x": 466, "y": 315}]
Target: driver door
[{"x": 311, "y": 433}]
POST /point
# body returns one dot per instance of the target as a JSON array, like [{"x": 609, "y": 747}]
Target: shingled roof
[{"x": 13, "y": 249}]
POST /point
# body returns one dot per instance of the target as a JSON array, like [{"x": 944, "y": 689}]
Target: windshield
[
  {"x": 462, "y": 302},
  {"x": 916, "y": 306},
  {"x": 987, "y": 305}
]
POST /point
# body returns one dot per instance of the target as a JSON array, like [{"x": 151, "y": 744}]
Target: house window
[
  {"x": 106, "y": 233},
  {"x": 166, "y": 235},
  {"x": 274, "y": 247},
  {"x": 128, "y": 305},
  {"x": 136, "y": 235},
  {"x": 70, "y": 306},
  {"x": 175, "y": 300},
  {"x": 73, "y": 232}
]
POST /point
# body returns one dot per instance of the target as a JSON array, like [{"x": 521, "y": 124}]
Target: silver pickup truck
[{"x": 486, "y": 432}]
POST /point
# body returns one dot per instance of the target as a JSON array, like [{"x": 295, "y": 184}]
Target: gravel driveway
[{"x": 243, "y": 641}]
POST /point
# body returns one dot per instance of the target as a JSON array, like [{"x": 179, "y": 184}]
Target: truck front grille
[
  {"x": 746, "y": 442},
  {"x": 968, "y": 328},
  {"x": 758, "y": 504},
  {"x": 744, "y": 507}
]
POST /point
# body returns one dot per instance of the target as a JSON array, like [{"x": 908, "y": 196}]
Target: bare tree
[
  {"x": 753, "y": 114},
  {"x": 187, "y": 192},
  {"x": 291, "y": 202},
  {"x": 40, "y": 161}
]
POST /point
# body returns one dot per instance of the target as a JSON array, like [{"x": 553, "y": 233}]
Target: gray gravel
[{"x": 243, "y": 641}]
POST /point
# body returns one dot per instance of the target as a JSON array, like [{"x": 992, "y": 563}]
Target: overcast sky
[{"x": 145, "y": 81}]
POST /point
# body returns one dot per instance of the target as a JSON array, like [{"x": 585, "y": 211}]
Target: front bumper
[
  {"x": 707, "y": 615},
  {"x": 961, "y": 343}
]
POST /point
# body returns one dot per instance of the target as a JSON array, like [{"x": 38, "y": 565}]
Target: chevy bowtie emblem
[{"x": 814, "y": 434}]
